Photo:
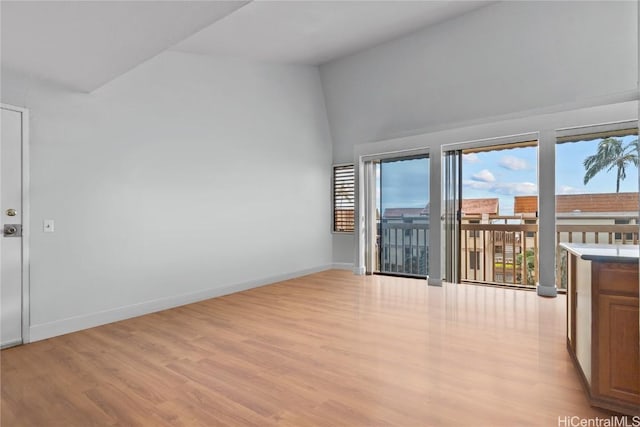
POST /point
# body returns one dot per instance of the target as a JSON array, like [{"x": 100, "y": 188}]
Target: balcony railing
[
  {"x": 501, "y": 254},
  {"x": 507, "y": 254},
  {"x": 403, "y": 247},
  {"x": 626, "y": 234}
]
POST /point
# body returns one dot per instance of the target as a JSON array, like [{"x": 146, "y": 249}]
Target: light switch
[{"x": 48, "y": 226}]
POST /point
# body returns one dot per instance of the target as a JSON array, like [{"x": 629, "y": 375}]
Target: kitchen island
[{"x": 603, "y": 333}]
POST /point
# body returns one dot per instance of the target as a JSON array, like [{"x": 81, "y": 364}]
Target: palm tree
[{"x": 611, "y": 154}]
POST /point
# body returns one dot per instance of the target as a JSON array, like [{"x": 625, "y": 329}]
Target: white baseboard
[
  {"x": 343, "y": 266},
  {"x": 77, "y": 323}
]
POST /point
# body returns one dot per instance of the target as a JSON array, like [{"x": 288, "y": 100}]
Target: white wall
[
  {"x": 498, "y": 62},
  {"x": 186, "y": 178}
]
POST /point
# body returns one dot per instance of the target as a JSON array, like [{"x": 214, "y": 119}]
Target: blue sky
[
  {"x": 503, "y": 174},
  {"x": 405, "y": 184},
  {"x": 508, "y": 173},
  {"x": 570, "y": 172}
]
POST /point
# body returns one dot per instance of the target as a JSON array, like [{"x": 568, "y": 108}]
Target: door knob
[{"x": 12, "y": 212}]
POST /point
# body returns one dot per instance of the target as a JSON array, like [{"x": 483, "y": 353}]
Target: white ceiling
[
  {"x": 84, "y": 44},
  {"x": 314, "y": 32}
]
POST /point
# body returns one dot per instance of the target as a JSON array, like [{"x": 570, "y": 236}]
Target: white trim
[
  {"x": 491, "y": 142},
  {"x": 77, "y": 323},
  {"x": 599, "y": 128},
  {"x": 370, "y": 220},
  {"x": 398, "y": 154},
  {"x": 488, "y": 129},
  {"x": 10, "y": 344},
  {"x": 26, "y": 230},
  {"x": 13, "y": 108},
  {"x": 26, "y": 219},
  {"x": 359, "y": 271},
  {"x": 551, "y": 111},
  {"x": 343, "y": 266}
]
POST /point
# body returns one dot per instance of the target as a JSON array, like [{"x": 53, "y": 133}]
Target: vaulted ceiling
[{"x": 85, "y": 44}]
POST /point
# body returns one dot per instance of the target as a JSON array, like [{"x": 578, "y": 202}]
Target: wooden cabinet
[
  {"x": 616, "y": 342},
  {"x": 603, "y": 328}
]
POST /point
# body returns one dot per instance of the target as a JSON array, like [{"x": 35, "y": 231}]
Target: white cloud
[
  {"x": 471, "y": 158},
  {"x": 515, "y": 188},
  {"x": 477, "y": 185},
  {"x": 504, "y": 188},
  {"x": 484, "y": 175},
  {"x": 513, "y": 163}
]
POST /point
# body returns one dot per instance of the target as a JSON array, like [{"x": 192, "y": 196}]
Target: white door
[{"x": 11, "y": 227}]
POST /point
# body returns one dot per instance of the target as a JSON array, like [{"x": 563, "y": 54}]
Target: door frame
[
  {"x": 485, "y": 143},
  {"x": 26, "y": 219}
]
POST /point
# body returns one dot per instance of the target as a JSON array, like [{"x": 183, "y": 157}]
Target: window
[
  {"x": 498, "y": 249},
  {"x": 408, "y": 231},
  {"x": 343, "y": 199},
  {"x": 627, "y": 236},
  {"x": 474, "y": 260}
]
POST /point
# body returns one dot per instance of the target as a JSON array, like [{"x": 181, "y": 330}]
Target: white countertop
[{"x": 602, "y": 252}]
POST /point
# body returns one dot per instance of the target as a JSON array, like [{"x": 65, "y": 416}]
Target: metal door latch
[{"x": 12, "y": 230}]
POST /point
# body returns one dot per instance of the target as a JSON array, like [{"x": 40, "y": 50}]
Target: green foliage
[
  {"x": 611, "y": 154},
  {"x": 530, "y": 258}
]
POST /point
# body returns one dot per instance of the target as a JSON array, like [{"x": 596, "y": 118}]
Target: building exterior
[
  {"x": 590, "y": 210},
  {"x": 403, "y": 241},
  {"x": 503, "y": 249}
]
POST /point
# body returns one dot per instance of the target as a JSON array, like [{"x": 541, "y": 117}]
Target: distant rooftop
[
  {"x": 582, "y": 203},
  {"x": 404, "y": 212},
  {"x": 481, "y": 206},
  {"x": 469, "y": 207}
]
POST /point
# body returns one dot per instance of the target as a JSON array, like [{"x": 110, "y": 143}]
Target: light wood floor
[{"x": 328, "y": 349}]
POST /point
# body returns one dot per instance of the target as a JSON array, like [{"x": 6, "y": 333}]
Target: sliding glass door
[
  {"x": 490, "y": 214},
  {"x": 403, "y": 216}
]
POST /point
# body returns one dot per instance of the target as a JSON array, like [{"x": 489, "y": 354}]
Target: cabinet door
[{"x": 618, "y": 356}]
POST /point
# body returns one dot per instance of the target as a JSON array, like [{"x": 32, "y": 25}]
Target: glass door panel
[{"x": 403, "y": 223}]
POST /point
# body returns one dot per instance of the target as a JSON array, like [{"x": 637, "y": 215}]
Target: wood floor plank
[{"x": 327, "y": 349}]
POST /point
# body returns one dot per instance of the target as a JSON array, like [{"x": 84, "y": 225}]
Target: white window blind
[{"x": 343, "y": 198}]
